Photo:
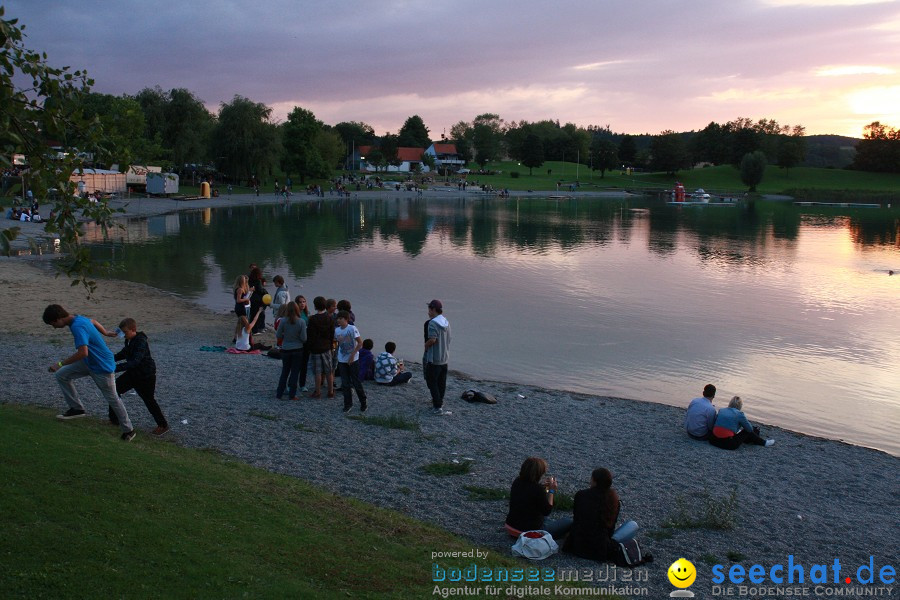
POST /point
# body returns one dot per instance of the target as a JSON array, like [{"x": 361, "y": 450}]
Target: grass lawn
[{"x": 85, "y": 515}]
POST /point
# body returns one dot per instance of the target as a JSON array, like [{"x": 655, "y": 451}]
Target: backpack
[
  {"x": 629, "y": 554},
  {"x": 476, "y": 396}
]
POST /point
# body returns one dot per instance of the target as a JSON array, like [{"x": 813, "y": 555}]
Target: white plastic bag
[{"x": 535, "y": 545}]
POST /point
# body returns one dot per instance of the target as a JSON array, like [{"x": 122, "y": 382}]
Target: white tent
[{"x": 101, "y": 180}]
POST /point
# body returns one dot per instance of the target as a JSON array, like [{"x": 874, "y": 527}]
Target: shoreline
[{"x": 228, "y": 404}]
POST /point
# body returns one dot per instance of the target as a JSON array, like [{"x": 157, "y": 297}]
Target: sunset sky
[{"x": 640, "y": 66}]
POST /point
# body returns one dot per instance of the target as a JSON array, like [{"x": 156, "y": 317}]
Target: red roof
[
  {"x": 445, "y": 149},
  {"x": 410, "y": 154}
]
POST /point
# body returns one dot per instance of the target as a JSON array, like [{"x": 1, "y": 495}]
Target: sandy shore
[{"x": 811, "y": 498}]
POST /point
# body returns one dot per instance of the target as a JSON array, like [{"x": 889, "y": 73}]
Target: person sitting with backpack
[{"x": 595, "y": 512}]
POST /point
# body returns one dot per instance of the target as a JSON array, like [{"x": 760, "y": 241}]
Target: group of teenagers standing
[{"x": 327, "y": 342}]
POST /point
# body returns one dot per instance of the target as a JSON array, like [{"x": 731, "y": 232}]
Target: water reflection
[{"x": 625, "y": 297}]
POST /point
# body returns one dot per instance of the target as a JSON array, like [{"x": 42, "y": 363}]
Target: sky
[{"x": 638, "y": 66}]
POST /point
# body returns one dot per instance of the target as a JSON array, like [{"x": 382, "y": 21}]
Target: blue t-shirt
[{"x": 100, "y": 357}]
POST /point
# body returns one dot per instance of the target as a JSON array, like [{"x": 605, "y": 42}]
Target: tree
[
  {"x": 123, "y": 129},
  {"x": 628, "y": 150},
  {"x": 331, "y": 148},
  {"x": 245, "y": 143},
  {"x": 604, "y": 156},
  {"x": 390, "y": 147},
  {"x": 355, "y": 133},
  {"x": 461, "y": 135},
  {"x": 428, "y": 160},
  {"x": 302, "y": 155},
  {"x": 414, "y": 134},
  {"x": 532, "y": 153},
  {"x": 486, "y": 136},
  {"x": 790, "y": 152},
  {"x": 753, "y": 166},
  {"x": 668, "y": 152},
  {"x": 188, "y": 128},
  {"x": 48, "y": 107},
  {"x": 879, "y": 150}
]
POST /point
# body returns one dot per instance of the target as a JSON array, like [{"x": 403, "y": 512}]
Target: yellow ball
[{"x": 267, "y": 299}]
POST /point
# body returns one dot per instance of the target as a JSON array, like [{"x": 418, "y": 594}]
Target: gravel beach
[{"x": 814, "y": 499}]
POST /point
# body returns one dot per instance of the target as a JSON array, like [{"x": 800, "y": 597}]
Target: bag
[
  {"x": 535, "y": 545},
  {"x": 628, "y": 554},
  {"x": 476, "y": 396}
]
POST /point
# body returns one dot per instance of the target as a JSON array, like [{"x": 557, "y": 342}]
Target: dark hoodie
[{"x": 136, "y": 355}]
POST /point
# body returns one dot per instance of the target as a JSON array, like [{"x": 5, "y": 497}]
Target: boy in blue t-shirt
[{"x": 92, "y": 358}]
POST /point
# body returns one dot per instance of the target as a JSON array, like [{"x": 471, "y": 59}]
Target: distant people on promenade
[
  {"x": 92, "y": 358},
  {"x": 701, "y": 414},
  {"x": 388, "y": 370},
  {"x": 437, "y": 355},
  {"x": 138, "y": 373},
  {"x": 531, "y": 499},
  {"x": 732, "y": 428}
]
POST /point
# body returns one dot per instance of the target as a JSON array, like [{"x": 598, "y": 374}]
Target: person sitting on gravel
[
  {"x": 388, "y": 370},
  {"x": 733, "y": 429},
  {"x": 595, "y": 512},
  {"x": 701, "y": 414},
  {"x": 531, "y": 499}
]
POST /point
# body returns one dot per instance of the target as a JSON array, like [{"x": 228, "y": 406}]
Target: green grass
[
  {"x": 85, "y": 515},
  {"x": 723, "y": 179},
  {"x": 262, "y": 415},
  {"x": 735, "y": 556},
  {"x": 443, "y": 469},
  {"x": 703, "y": 511},
  {"x": 389, "y": 422},
  {"x": 483, "y": 494}
]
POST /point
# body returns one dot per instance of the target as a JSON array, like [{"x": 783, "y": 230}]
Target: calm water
[{"x": 793, "y": 310}]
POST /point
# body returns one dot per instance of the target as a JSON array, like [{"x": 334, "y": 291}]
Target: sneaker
[
  {"x": 770, "y": 443},
  {"x": 128, "y": 436},
  {"x": 295, "y": 399},
  {"x": 363, "y": 408},
  {"x": 347, "y": 409},
  {"x": 440, "y": 412},
  {"x": 304, "y": 389},
  {"x": 72, "y": 413},
  {"x": 161, "y": 430}
]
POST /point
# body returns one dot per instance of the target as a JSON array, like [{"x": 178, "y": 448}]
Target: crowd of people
[{"x": 325, "y": 343}]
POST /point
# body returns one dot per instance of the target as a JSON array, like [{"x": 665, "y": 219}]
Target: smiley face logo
[{"x": 682, "y": 573}]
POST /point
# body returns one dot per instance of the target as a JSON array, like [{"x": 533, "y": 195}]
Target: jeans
[
  {"x": 106, "y": 383},
  {"x": 350, "y": 377},
  {"x": 558, "y": 527},
  {"x": 291, "y": 364},
  {"x": 145, "y": 388},
  {"x": 400, "y": 378},
  {"x": 436, "y": 380},
  {"x": 734, "y": 442}
]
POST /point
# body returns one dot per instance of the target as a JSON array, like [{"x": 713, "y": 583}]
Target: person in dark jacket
[
  {"x": 531, "y": 499},
  {"x": 595, "y": 512},
  {"x": 138, "y": 373}
]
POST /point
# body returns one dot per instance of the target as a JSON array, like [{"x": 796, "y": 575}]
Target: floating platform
[{"x": 839, "y": 204}]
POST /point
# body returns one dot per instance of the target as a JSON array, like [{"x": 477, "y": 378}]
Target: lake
[{"x": 790, "y": 308}]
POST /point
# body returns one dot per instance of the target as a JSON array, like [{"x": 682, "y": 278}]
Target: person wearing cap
[{"x": 437, "y": 355}]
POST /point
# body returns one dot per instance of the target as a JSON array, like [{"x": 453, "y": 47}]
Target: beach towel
[
  {"x": 212, "y": 348},
  {"x": 236, "y": 351}
]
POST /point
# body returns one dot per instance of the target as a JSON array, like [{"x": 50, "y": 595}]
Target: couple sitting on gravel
[
  {"x": 727, "y": 428},
  {"x": 591, "y": 531}
]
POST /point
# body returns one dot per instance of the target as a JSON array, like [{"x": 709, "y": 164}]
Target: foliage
[
  {"x": 703, "y": 511},
  {"x": 668, "y": 153},
  {"x": 627, "y": 150},
  {"x": 330, "y": 147},
  {"x": 355, "y": 133},
  {"x": 532, "y": 153},
  {"x": 753, "y": 167},
  {"x": 483, "y": 494},
  {"x": 414, "y": 134},
  {"x": 461, "y": 137},
  {"x": 244, "y": 142},
  {"x": 487, "y": 138},
  {"x": 49, "y": 107},
  {"x": 177, "y": 123},
  {"x": 301, "y": 155},
  {"x": 123, "y": 130},
  {"x": 604, "y": 155},
  {"x": 390, "y": 148},
  {"x": 790, "y": 152},
  {"x": 879, "y": 150},
  {"x": 442, "y": 469},
  {"x": 388, "y": 422}
]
